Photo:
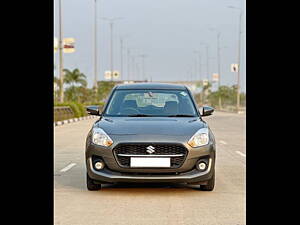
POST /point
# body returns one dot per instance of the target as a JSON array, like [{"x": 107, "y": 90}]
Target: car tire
[
  {"x": 91, "y": 186},
  {"x": 210, "y": 184}
]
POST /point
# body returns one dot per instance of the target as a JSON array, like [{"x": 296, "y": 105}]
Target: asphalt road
[{"x": 151, "y": 204}]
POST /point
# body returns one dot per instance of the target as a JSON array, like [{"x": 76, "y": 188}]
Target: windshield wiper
[
  {"x": 181, "y": 115},
  {"x": 139, "y": 115}
]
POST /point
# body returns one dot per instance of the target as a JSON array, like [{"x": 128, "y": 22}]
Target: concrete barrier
[
  {"x": 62, "y": 113},
  {"x": 59, "y": 123}
]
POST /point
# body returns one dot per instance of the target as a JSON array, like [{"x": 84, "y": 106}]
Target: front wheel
[
  {"x": 210, "y": 184},
  {"x": 91, "y": 186}
]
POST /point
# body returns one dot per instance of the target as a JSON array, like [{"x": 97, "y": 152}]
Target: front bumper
[
  {"x": 108, "y": 176},
  {"x": 186, "y": 173}
]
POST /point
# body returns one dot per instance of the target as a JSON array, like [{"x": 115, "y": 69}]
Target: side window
[{"x": 185, "y": 104}]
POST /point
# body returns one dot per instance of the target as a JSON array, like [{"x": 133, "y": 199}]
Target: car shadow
[
  {"x": 153, "y": 186},
  {"x": 76, "y": 179},
  {"x": 148, "y": 189}
]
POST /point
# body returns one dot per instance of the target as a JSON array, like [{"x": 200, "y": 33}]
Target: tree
[
  {"x": 79, "y": 94},
  {"x": 74, "y": 92},
  {"x": 104, "y": 88},
  {"x": 71, "y": 94},
  {"x": 74, "y": 77},
  {"x": 228, "y": 96}
]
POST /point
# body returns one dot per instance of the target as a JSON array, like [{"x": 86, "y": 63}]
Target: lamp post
[
  {"x": 238, "y": 54},
  {"x": 207, "y": 58},
  {"x": 137, "y": 70},
  {"x": 128, "y": 64},
  {"x": 207, "y": 65},
  {"x": 199, "y": 63},
  {"x": 95, "y": 49},
  {"x": 60, "y": 47},
  {"x": 111, "y": 23},
  {"x": 218, "y": 65},
  {"x": 200, "y": 75},
  {"x": 122, "y": 50},
  {"x": 133, "y": 66},
  {"x": 121, "y": 55},
  {"x": 143, "y": 56}
]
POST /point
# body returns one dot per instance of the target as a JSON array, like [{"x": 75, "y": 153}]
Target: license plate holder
[{"x": 136, "y": 162}]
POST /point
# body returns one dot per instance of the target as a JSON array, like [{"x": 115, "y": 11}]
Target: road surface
[{"x": 153, "y": 204}]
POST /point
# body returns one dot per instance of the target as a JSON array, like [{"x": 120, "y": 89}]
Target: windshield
[{"x": 156, "y": 103}]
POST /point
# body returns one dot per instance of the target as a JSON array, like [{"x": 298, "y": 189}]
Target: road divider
[{"x": 59, "y": 123}]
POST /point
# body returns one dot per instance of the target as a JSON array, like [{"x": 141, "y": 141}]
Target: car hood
[{"x": 150, "y": 125}]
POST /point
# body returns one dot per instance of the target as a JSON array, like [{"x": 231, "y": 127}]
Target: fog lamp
[
  {"x": 99, "y": 165},
  {"x": 201, "y": 166}
]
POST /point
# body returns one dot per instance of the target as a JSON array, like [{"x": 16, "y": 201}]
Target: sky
[{"x": 168, "y": 32}]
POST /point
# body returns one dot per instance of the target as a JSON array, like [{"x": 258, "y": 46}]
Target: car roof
[{"x": 151, "y": 86}]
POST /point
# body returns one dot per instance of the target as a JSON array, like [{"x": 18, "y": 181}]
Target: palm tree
[{"x": 75, "y": 77}]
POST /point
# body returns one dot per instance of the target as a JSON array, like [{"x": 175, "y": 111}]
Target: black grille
[{"x": 141, "y": 149}]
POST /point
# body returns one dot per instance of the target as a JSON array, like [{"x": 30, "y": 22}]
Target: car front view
[{"x": 150, "y": 133}]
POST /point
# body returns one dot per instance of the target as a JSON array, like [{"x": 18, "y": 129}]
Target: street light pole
[
  {"x": 239, "y": 67},
  {"x": 207, "y": 58},
  {"x": 219, "y": 70},
  {"x": 95, "y": 50},
  {"x": 219, "y": 63},
  {"x": 128, "y": 64},
  {"x": 143, "y": 56},
  {"x": 133, "y": 67},
  {"x": 144, "y": 67},
  {"x": 111, "y": 23},
  {"x": 121, "y": 53},
  {"x": 111, "y": 50},
  {"x": 218, "y": 58},
  {"x": 207, "y": 62},
  {"x": 207, "y": 66},
  {"x": 239, "y": 60},
  {"x": 60, "y": 46},
  {"x": 200, "y": 75},
  {"x": 137, "y": 70},
  {"x": 199, "y": 63}
]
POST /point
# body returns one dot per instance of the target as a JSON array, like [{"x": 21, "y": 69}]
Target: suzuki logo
[{"x": 150, "y": 149}]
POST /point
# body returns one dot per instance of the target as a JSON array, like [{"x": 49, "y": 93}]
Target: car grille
[{"x": 141, "y": 149}]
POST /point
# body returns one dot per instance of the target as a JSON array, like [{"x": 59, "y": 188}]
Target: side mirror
[
  {"x": 93, "y": 110},
  {"x": 207, "y": 111}
]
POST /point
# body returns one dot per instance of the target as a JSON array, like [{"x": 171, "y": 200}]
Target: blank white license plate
[{"x": 150, "y": 162}]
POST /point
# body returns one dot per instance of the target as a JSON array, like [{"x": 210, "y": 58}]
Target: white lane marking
[
  {"x": 223, "y": 142},
  {"x": 68, "y": 167},
  {"x": 240, "y": 153}
]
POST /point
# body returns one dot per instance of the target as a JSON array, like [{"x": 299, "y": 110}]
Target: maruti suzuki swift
[{"x": 150, "y": 133}]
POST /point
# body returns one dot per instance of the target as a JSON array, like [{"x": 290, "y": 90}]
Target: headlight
[
  {"x": 101, "y": 138},
  {"x": 200, "y": 138}
]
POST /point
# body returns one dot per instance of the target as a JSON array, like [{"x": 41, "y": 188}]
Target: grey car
[{"x": 150, "y": 133}]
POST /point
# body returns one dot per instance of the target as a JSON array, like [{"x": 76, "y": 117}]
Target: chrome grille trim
[
  {"x": 127, "y": 155},
  {"x": 177, "y": 152}
]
